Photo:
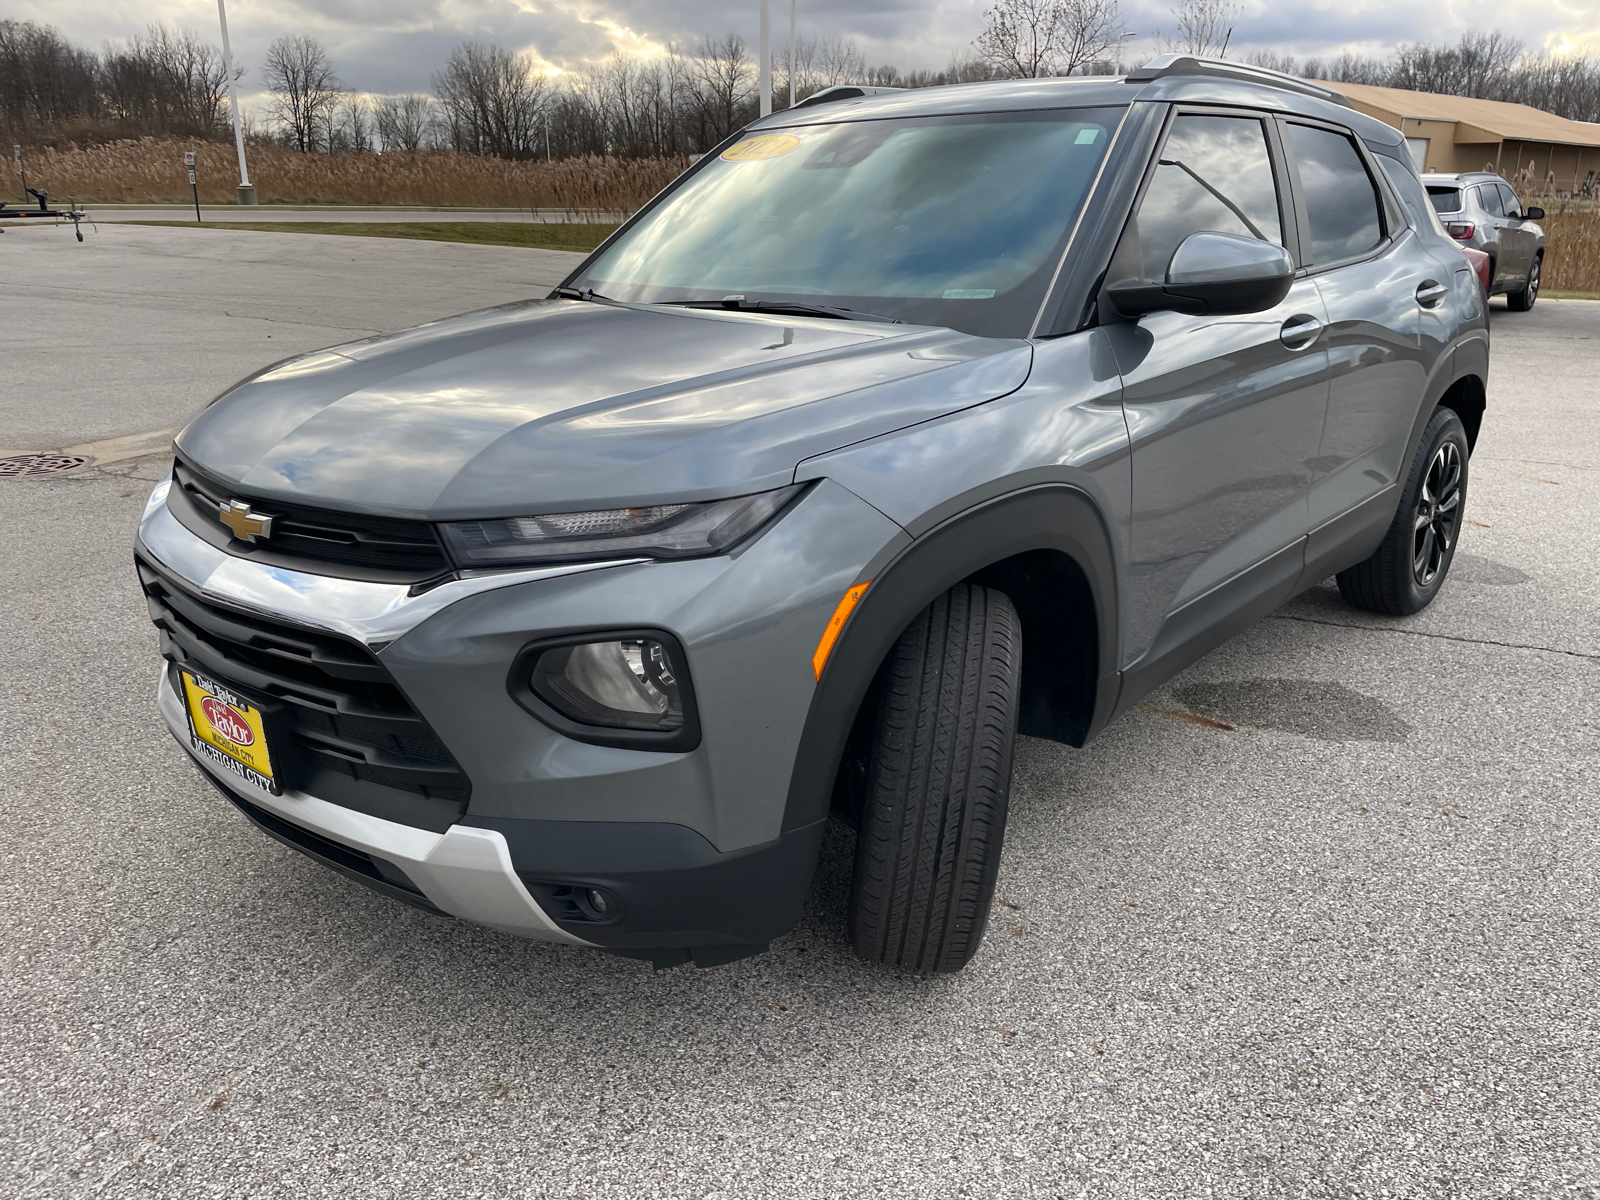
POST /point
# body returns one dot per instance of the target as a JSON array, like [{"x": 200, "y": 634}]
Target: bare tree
[
  {"x": 1204, "y": 26},
  {"x": 838, "y": 61},
  {"x": 304, "y": 85},
  {"x": 1085, "y": 31},
  {"x": 351, "y": 124},
  {"x": 1031, "y": 38},
  {"x": 1284, "y": 64},
  {"x": 44, "y": 79},
  {"x": 493, "y": 100},
  {"x": 724, "y": 82},
  {"x": 166, "y": 82},
  {"x": 1479, "y": 64},
  {"x": 403, "y": 122}
]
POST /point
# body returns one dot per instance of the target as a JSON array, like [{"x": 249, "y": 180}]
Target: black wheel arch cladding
[{"x": 1049, "y": 549}]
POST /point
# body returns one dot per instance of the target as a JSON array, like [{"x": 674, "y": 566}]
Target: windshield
[
  {"x": 955, "y": 221},
  {"x": 1445, "y": 199}
]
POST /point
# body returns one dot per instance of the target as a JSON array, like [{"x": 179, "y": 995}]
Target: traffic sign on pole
[{"x": 188, "y": 161}]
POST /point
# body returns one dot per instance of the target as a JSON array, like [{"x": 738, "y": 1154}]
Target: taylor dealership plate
[{"x": 228, "y": 730}]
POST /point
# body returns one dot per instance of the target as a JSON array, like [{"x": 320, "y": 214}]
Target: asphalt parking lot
[{"x": 1318, "y": 920}]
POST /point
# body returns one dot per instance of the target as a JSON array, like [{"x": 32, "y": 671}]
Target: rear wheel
[
  {"x": 1410, "y": 566},
  {"x": 938, "y": 777},
  {"x": 1522, "y": 301}
]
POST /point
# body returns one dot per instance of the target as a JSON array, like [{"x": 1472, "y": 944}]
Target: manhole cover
[{"x": 19, "y": 465}]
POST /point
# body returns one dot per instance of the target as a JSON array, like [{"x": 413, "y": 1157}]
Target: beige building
[{"x": 1456, "y": 133}]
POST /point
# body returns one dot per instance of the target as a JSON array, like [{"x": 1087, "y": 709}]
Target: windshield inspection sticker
[
  {"x": 772, "y": 145},
  {"x": 969, "y": 293},
  {"x": 1086, "y": 137}
]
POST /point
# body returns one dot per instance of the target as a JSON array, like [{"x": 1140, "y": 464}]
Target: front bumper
[
  {"x": 673, "y": 897},
  {"x": 687, "y": 849},
  {"x": 464, "y": 872}
]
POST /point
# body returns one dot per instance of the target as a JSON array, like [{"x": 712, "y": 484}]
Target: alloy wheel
[
  {"x": 1533, "y": 281},
  {"x": 1438, "y": 514}
]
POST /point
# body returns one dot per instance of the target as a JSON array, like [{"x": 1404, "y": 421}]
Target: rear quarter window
[{"x": 1445, "y": 199}]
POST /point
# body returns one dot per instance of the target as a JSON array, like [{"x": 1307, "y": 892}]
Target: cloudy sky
[{"x": 388, "y": 46}]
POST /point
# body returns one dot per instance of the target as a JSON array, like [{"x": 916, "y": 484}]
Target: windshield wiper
[
  {"x": 566, "y": 293},
  {"x": 792, "y": 308}
]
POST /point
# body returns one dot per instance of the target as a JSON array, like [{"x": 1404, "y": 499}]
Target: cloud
[{"x": 395, "y": 45}]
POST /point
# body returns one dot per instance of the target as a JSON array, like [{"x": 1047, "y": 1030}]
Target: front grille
[
  {"x": 353, "y": 737},
  {"x": 320, "y": 540}
]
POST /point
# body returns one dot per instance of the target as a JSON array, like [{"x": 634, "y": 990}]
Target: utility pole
[
  {"x": 791, "y": 53},
  {"x": 246, "y": 191},
  {"x": 766, "y": 57}
]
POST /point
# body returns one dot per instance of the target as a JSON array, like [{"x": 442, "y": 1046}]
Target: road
[
  {"x": 1341, "y": 947},
  {"x": 111, "y": 213}
]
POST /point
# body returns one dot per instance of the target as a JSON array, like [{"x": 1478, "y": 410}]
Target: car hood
[{"x": 555, "y": 405}]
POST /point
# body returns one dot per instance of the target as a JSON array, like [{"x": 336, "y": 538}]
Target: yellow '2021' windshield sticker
[{"x": 771, "y": 145}]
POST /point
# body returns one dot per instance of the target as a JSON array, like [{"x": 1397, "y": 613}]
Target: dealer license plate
[{"x": 228, "y": 730}]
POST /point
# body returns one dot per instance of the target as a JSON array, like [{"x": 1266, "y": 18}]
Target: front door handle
[
  {"x": 1300, "y": 331},
  {"x": 1430, "y": 292}
]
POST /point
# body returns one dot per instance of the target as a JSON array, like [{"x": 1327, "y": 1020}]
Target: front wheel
[
  {"x": 1409, "y": 568},
  {"x": 1522, "y": 301},
  {"x": 938, "y": 778}
]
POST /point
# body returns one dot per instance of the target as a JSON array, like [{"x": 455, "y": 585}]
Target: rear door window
[
  {"x": 1214, "y": 175},
  {"x": 1445, "y": 199},
  {"x": 1341, "y": 198}
]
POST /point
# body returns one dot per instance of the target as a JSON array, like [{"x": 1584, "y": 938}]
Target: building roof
[{"x": 1480, "y": 120}]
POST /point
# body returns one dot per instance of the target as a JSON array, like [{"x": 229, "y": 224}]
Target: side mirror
[
  {"x": 1212, "y": 274},
  {"x": 1533, "y": 214}
]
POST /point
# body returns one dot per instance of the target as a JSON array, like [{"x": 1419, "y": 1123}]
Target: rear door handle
[
  {"x": 1300, "y": 331},
  {"x": 1430, "y": 292}
]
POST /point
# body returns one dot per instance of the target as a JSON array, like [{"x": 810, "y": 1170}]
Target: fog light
[
  {"x": 626, "y": 684},
  {"x": 597, "y": 901},
  {"x": 626, "y": 688}
]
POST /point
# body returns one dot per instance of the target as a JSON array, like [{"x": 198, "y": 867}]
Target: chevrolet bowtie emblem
[{"x": 247, "y": 526}]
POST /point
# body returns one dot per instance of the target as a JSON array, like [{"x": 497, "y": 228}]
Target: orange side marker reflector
[{"x": 830, "y": 635}]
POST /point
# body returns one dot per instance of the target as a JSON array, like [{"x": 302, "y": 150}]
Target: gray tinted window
[
  {"x": 1341, "y": 200},
  {"x": 1489, "y": 198},
  {"x": 1445, "y": 199},
  {"x": 1214, "y": 175},
  {"x": 1513, "y": 205}
]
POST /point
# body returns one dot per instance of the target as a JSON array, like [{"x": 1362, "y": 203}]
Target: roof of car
[
  {"x": 1460, "y": 177},
  {"x": 1174, "y": 83}
]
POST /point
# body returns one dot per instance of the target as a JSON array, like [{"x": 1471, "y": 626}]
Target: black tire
[
  {"x": 938, "y": 777},
  {"x": 1524, "y": 300},
  {"x": 1409, "y": 568}
]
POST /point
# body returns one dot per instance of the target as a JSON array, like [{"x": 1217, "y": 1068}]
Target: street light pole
[
  {"x": 246, "y": 191},
  {"x": 1120, "y": 39},
  {"x": 791, "y": 53},
  {"x": 766, "y": 57}
]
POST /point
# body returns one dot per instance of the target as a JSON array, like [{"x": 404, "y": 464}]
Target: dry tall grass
[
  {"x": 152, "y": 171},
  {"x": 1572, "y": 251}
]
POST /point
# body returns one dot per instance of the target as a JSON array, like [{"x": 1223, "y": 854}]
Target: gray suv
[
  {"x": 1479, "y": 209},
  {"x": 896, "y": 426}
]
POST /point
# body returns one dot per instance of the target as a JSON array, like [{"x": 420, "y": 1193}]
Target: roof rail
[
  {"x": 1163, "y": 65},
  {"x": 843, "y": 91}
]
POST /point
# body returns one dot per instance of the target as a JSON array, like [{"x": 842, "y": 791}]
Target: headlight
[
  {"x": 655, "y": 531},
  {"x": 625, "y": 688}
]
